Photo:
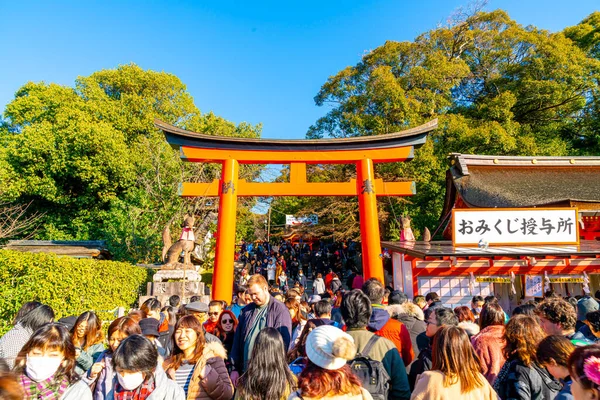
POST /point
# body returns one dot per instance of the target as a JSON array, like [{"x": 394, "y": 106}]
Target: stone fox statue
[
  {"x": 185, "y": 243},
  {"x": 406, "y": 235}
]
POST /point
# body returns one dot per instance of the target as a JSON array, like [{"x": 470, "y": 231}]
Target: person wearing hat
[
  {"x": 327, "y": 373},
  {"x": 200, "y": 310},
  {"x": 264, "y": 311},
  {"x": 149, "y": 328},
  {"x": 585, "y": 305}
]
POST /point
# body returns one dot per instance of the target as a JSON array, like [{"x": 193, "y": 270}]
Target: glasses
[
  {"x": 213, "y": 313},
  {"x": 227, "y": 321}
]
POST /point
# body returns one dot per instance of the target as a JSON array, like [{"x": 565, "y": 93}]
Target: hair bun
[{"x": 343, "y": 348}]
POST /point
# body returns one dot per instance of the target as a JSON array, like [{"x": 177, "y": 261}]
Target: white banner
[
  {"x": 483, "y": 227},
  {"x": 534, "y": 286},
  {"x": 312, "y": 219}
]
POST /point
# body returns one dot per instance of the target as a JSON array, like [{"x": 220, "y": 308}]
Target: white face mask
[
  {"x": 42, "y": 368},
  {"x": 131, "y": 381}
]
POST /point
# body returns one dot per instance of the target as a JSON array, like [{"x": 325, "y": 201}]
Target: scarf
[
  {"x": 45, "y": 390},
  {"x": 140, "y": 393}
]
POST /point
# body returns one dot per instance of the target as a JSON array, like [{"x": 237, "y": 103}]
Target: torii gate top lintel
[
  {"x": 391, "y": 147},
  {"x": 230, "y": 152}
]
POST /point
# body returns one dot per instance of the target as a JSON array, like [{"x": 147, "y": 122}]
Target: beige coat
[
  {"x": 430, "y": 386},
  {"x": 215, "y": 384}
]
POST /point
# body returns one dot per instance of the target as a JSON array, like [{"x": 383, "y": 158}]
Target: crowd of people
[{"x": 367, "y": 342}]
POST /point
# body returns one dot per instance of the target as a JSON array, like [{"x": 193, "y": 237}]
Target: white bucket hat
[{"x": 329, "y": 347}]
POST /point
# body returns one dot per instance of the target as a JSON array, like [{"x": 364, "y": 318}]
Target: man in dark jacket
[
  {"x": 435, "y": 319},
  {"x": 263, "y": 312},
  {"x": 356, "y": 310}
]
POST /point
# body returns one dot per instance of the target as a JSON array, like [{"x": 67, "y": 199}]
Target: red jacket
[
  {"x": 210, "y": 326},
  {"x": 382, "y": 325}
]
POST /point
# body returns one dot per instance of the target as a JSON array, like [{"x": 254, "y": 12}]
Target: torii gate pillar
[
  {"x": 225, "y": 249},
  {"x": 369, "y": 221}
]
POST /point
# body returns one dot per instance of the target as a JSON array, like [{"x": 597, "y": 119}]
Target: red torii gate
[{"x": 231, "y": 151}]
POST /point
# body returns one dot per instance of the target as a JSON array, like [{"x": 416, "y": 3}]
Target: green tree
[
  {"x": 90, "y": 159},
  {"x": 496, "y": 87}
]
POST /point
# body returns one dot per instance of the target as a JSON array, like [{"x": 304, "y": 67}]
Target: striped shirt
[{"x": 183, "y": 375}]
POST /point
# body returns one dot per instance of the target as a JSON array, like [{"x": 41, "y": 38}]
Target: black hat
[
  {"x": 68, "y": 322},
  {"x": 149, "y": 327}
]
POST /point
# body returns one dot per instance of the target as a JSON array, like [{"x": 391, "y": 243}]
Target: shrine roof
[
  {"x": 506, "y": 181},
  {"x": 446, "y": 249},
  {"x": 410, "y": 137},
  {"x": 79, "y": 249}
]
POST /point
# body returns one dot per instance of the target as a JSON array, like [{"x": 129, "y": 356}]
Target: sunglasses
[
  {"x": 213, "y": 313},
  {"x": 227, "y": 321}
]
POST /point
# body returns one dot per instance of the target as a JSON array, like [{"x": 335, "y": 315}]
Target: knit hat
[
  {"x": 585, "y": 305},
  {"x": 329, "y": 347}
]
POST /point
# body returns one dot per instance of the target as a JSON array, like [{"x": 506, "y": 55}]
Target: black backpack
[{"x": 371, "y": 373}]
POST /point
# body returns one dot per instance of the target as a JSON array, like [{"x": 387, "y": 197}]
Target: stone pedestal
[
  {"x": 167, "y": 283},
  {"x": 176, "y": 274}
]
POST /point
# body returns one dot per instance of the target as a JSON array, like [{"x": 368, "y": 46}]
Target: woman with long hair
[
  {"x": 455, "y": 370},
  {"x": 521, "y": 377},
  {"x": 268, "y": 376},
  {"x": 584, "y": 368},
  {"x": 88, "y": 340},
  {"x": 225, "y": 330},
  {"x": 102, "y": 372},
  {"x": 138, "y": 376},
  {"x": 553, "y": 353},
  {"x": 296, "y": 357},
  {"x": 46, "y": 366},
  {"x": 489, "y": 342},
  {"x": 298, "y": 319},
  {"x": 198, "y": 367},
  {"x": 327, "y": 374}
]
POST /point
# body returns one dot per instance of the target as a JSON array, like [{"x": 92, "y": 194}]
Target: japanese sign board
[
  {"x": 312, "y": 219},
  {"x": 514, "y": 226},
  {"x": 534, "y": 286},
  {"x": 566, "y": 279},
  {"x": 493, "y": 279}
]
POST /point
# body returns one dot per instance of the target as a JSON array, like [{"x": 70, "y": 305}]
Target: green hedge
[{"x": 69, "y": 285}]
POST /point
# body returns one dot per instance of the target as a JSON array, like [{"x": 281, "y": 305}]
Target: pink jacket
[{"x": 488, "y": 345}]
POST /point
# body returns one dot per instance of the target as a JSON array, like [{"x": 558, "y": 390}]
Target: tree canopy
[
  {"x": 496, "y": 86},
  {"x": 91, "y": 161}
]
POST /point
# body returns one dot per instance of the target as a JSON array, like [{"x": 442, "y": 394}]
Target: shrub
[{"x": 69, "y": 285}]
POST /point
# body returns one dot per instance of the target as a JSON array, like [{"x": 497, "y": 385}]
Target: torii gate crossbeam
[{"x": 230, "y": 152}]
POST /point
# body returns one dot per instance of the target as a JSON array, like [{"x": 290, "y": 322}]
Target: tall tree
[
  {"x": 497, "y": 87},
  {"x": 90, "y": 159}
]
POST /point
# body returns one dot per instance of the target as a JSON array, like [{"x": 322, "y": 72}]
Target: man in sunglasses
[{"x": 215, "y": 308}]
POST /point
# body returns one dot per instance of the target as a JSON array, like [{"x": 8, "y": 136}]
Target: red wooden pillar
[
  {"x": 369, "y": 221},
  {"x": 222, "y": 283}
]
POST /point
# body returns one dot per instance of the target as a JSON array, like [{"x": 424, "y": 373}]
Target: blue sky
[{"x": 246, "y": 61}]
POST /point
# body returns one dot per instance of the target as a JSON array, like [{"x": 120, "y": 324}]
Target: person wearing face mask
[
  {"x": 136, "y": 362},
  {"x": 102, "y": 372},
  {"x": 46, "y": 366},
  {"x": 88, "y": 340},
  {"x": 476, "y": 306}
]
